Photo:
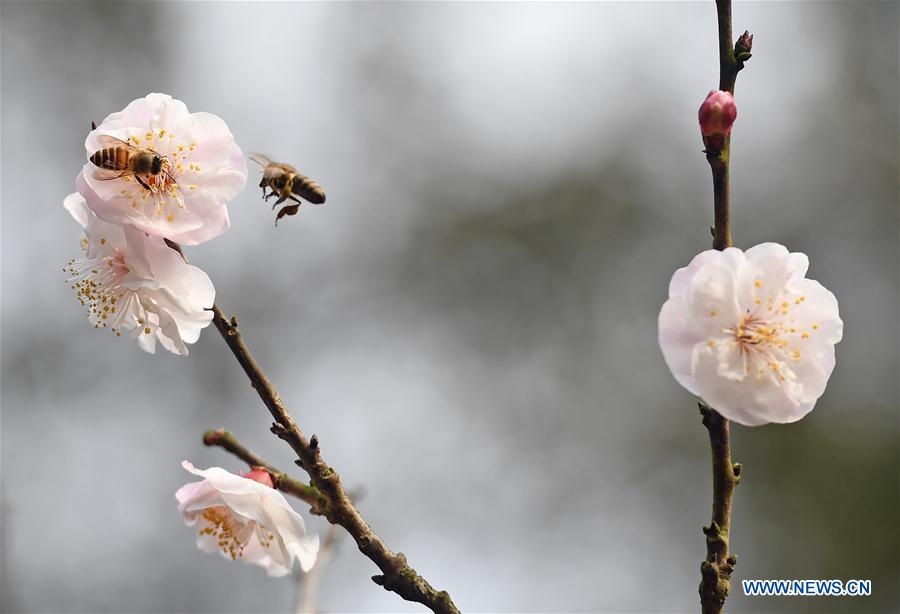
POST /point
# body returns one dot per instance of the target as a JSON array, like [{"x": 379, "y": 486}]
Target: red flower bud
[
  {"x": 259, "y": 475},
  {"x": 717, "y": 113}
]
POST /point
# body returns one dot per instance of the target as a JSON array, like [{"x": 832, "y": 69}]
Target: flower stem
[
  {"x": 282, "y": 481},
  {"x": 397, "y": 575},
  {"x": 715, "y": 571}
]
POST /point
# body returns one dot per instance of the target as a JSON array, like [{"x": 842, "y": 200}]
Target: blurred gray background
[{"x": 469, "y": 324}]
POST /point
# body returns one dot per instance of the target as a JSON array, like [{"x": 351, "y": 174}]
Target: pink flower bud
[
  {"x": 259, "y": 475},
  {"x": 717, "y": 114}
]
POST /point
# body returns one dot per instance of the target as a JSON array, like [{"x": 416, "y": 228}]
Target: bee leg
[
  {"x": 142, "y": 182},
  {"x": 281, "y": 200}
]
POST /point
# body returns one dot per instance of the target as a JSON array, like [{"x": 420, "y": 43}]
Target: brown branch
[
  {"x": 333, "y": 503},
  {"x": 281, "y": 481},
  {"x": 716, "y": 570},
  {"x": 731, "y": 61},
  {"x": 397, "y": 575}
]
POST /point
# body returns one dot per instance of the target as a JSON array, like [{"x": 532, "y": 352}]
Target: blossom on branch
[
  {"x": 182, "y": 195},
  {"x": 244, "y": 518},
  {"x": 750, "y": 334},
  {"x": 133, "y": 282}
]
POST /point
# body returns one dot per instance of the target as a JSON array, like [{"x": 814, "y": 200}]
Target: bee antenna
[{"x": 93, "y": 125}]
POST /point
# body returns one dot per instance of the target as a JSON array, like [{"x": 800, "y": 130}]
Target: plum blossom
[
  {"x": 202, "y": 168},
  {"x": 750, "y": 334},
  {"x": 244, "y": 518},
  {"x": 133, "y": 282}
]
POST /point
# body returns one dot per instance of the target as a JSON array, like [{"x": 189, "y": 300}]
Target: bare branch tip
[{"x": 214, "y": 437}]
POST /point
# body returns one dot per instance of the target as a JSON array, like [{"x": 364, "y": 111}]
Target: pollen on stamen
[
  {"x": 713, "y": 313},
  {"x": 147, "y": 331},
  {"x": 758, "y": 283},
  {"x": 815, "y": 327},
  {"x": 805, "y": 336}
]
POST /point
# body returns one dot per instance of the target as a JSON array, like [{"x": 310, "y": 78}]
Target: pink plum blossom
[
  {"x": 130, "y": 281},
  {"x": 242, "y": 518},
  {"x": 749, "y": 334},
  {"x": 202, "y": 170}
]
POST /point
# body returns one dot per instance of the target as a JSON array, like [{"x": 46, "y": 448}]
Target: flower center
[
  {"x": 232, "y": 536},
  {"x": 99, "y": 285},
  {"x": 160, "y": 195},
  {"x": 768, "y": 343}
]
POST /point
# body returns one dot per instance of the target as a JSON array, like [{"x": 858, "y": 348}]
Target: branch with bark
[
  {"x": 397, "y": 575},
  {"x": 325, "y": 494},
  {"x": 715, "y": 571}
]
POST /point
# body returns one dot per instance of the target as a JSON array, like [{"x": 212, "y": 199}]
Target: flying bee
[
  {"x": 285, "y": 182},
  {"x": 117, "y": 158}
]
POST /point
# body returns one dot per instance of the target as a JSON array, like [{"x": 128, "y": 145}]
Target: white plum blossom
[
  {"x": 133, "y": 282},
  {"x": 202, "y": 168},
  {"x": 242, "y": 518},
  {"x": 749, "y": 334}
]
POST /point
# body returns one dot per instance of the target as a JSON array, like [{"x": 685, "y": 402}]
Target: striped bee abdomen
[
  {"x": 310, "y": 190},
  {"x": 113, "y": 158}
]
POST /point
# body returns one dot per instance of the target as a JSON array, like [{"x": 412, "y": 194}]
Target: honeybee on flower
[{"x": 163, "y": 170}]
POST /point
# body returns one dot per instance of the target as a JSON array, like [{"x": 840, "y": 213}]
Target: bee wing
[
  {"x": 108, "y": 140},
  {"x": 260, "y": 159},
  {"x": 105, "y": 174}
]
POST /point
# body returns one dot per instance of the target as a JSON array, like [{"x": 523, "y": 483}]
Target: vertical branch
[{"x": 716, "y": 570}]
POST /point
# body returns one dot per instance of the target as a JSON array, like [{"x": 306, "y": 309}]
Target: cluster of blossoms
[
  {"x": 157, "y": 174},
  {"x": 129, "y": 279}
]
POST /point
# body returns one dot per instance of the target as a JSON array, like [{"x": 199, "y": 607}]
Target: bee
[
  {"x": 285, "y": 182},
  {"x": 117, "y": 158}
]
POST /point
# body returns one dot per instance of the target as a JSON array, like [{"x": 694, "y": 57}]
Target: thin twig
[
  {"x": 397, "y": 575},
  {"x": 282, "y": 481},
  {"x": 716, "y": 570}
]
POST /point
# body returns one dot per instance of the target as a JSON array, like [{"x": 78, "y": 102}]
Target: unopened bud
[
  {"x": 744, "y": 43},
  {"x": 717, "y": 115},
  {"x": 259, "y": 475}
]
